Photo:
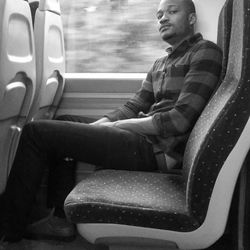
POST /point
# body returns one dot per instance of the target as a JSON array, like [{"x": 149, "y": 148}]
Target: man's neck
[{"x": 176, "y": 44}]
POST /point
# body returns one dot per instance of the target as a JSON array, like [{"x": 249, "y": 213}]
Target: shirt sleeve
[
  {"x": 140, "y": 102},
  {"x": 199, "y": 84}
]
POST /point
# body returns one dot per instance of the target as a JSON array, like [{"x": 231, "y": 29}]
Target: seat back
[
  {"x": 17, "y": 77},
  {"x": 224, "y": 32},
  {"x": 49, "y": 43},
  {"x": 214, "y": 142},
  {"x": 218, "y": 32},
  {"x": 207, "y": 10}
]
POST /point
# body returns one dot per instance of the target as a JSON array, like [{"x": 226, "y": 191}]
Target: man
[{"x": 148, "y": 133}]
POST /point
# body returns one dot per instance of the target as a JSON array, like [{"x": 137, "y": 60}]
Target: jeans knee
[
  {"x": 27, "y": 128},
  {"x": 30, "y": 130}
]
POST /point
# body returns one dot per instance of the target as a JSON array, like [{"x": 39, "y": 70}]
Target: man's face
[{"x": 174, "y": 21}]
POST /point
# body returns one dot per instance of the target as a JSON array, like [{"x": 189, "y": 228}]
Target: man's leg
[
  {"x": 108, "y": 147},
  {"x": 61, "y": 178}
]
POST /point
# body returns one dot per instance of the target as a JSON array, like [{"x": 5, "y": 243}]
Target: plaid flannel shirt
[{"x": 174, "y": 93}]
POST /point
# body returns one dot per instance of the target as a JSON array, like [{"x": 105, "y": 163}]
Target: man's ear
[{"x": 192, "y": 18}]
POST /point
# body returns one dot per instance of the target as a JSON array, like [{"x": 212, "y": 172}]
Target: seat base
[{"x": 136, "y": 243}]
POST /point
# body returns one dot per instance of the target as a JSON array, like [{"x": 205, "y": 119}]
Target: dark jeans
[
  {"x": 61, "y": 177},
  {"x": 44, "y": 142}
]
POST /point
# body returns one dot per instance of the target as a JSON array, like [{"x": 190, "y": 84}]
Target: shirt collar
[{"x": 185, "y": 44}]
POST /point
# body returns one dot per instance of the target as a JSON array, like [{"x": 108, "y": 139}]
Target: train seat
[
  {"x": 224, "y": 33},
  {"x": 139, "y": 210},
  {"x": 17, "y": 78},
  {"x": 50, "y": 51},
  {"x": 219, "y": 34}
]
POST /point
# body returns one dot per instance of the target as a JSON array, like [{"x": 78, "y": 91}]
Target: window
[{"x": 111, "y": 36}]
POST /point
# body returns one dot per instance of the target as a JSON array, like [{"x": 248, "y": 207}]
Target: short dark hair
[{"x": 190, "y": 6}]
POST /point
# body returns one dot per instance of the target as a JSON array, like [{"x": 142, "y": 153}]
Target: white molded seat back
[
  {"x": 17, "y": 77},
  {"x": 50, "y": 65},
  {"x": 50, "y": 5}
]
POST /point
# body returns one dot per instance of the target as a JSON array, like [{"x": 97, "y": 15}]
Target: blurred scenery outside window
[{"x": 111, "y": 36}]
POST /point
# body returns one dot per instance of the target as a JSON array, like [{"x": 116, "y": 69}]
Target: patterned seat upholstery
[
  {"x": 138, "y": 198},
  {"x": 183, "y": 208}
]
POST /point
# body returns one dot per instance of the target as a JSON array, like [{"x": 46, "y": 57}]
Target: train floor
[{"x": 78, "y": 244}]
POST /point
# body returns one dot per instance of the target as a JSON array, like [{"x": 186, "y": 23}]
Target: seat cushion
[{"x": 143, "y": 199}]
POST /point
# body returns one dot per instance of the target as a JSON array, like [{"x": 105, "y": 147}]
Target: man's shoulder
[
  {"x": 160, "y": 61},
  {"x": 206, "y": 44}
]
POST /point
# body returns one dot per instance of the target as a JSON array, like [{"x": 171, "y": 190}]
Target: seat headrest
[
  {"x": 224, "y": 32},
  {"x": 50, "y": 5}
]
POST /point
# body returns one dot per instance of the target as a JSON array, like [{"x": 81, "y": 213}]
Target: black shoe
[{"x": 51, "y": 228}]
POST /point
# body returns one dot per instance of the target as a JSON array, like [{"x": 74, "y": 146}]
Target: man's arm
[
  {"x": 140, "y": 102},
  {"x": 125, "y": 117},
  {"x": 199, "y": 84}
]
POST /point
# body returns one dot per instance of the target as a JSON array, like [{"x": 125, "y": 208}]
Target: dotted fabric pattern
[
  {"x": 177, "y": 202},
  {"x": 132, "y": 198}
]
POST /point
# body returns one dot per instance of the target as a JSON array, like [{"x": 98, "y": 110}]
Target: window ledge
[{"x": 105, "y": 75}]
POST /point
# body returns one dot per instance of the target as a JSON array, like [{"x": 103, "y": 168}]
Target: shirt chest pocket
[
  {"x": 176, "y": 71},
  {"x": 174, "y": 77}
]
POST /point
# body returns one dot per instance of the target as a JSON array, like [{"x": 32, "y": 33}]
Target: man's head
[{"x": 176, "y": 19}]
